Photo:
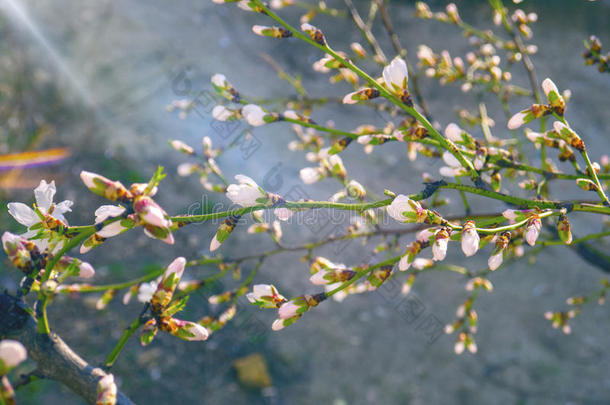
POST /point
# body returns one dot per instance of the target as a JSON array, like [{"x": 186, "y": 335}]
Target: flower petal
[{"x": 23, "y": 214}]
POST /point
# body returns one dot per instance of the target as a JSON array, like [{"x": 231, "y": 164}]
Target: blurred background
[{"x": 91, "y": 82}]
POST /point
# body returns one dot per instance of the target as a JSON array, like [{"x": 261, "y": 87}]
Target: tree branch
[{"x": 55, "y": 359}]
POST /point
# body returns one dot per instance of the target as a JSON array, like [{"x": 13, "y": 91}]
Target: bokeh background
[{"x": 97, "y": 77}]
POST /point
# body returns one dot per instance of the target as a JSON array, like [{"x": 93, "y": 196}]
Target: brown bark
[{"x": 54, "y": 358}]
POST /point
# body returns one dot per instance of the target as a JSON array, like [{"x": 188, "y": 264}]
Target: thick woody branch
[{"x": 54, "y": 358}]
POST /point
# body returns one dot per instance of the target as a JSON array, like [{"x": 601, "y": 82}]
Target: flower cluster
[
  {"x": 139, "y": 209},
  {"x": 593, "y": 55},
  {"x": 163, "y": 307}
]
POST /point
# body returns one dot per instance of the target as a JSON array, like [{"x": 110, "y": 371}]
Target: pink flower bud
[
  {"x": 100, "y": 185},
  {"x": 534, "y": 225},
  {"x": 288, "y": 310},
  {"x": 150, "y": 212},
  {"x": 106, "y": 391}
]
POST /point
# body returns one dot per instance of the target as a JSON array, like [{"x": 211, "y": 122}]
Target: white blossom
[
  {"x": 548, "y": 86},
  {"x": 439, "y": 248},
  {"x": 221, "y": 113},
  {"x": 44, "y": 200},
  {"x": 107, "y": 211},
  {"x": 453, "y": 133},
  {"x": 310, "y": 175},
  {"x": 517, "y": 120},
  {"x": 282, "y": 213},
  {"x": 288, "y": 310},
  {"x": 146, "y": 291},
  {"x": 402, "y": 205},
  {"x": 12, "y": 353},
  {"x": 219, "y": 80},
  {"x": 254, "y": 115},
  {"x": 396, "y": 75},
  {"x": 246, "y": 193},
  {"x": 470, "y": 240},
  {"x": 495, "y": 260}
]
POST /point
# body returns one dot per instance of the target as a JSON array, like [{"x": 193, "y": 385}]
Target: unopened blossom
[
  {"x": 289, "y": 309},
  {"x": 331, "y": 276},
  {"x": 184, "y": 330},
  {"x": 378, "y": 276},
  {"x": 355, "y": 189},
  {"x": 358, "y": 49},
  {"x": 479, "y": 282},
  {"x": 115, "y": 228},
  {"x": 106, "y": 391},
  {"x": 403, "y": 209},
  {"x": 532, "y": 230},
  {"x": 100, "y": 185},
  {"x": 246, "y": 192},
  {"x": 277, "y": 4},
  {"x": 85, "y": 270},
  {"x": 274, "y": 32},
  {"x": 453, "y": 168},
  {"x": 219, "y": 80},
  {"x": 470, "y": 239},
  {"x": 254, "y": 114},
  {"x": 360, "y": 95},
  {"x": 320, "y": 262},
  {"x": 283, "y": 214},
  {"x": 515, "y": 215},
  {"x": 426, "y": 234},
  {"x": 335, "y": 166},
  {"x": 265, "y": 296},
  {"x": 155, "y": 220},
  {"x": 568, "y": 135},
  {"x": 479, "y": 158},
  {"x": 525, "y": 116},
  {"x": 453, "y": 133},
  {"x": 222, "y": 85},
  {"x": 186, "y": 169},
  {"x": 410, "y": 256},
  {"x": 314, "y": 33},
  {"x": 426, "y": 55},
  {"x": 222, "y": 113},
  {"x": 12, "y": 353},
  {"x": 223, "y": 232},
  {"x": 166, "y": 287},
  {"x": 292, "y": 310},
  {"x": 310, "y": 175},
  {"x": 553, "y": 96},
  {"x": 496, "y": 258},
  {"x": 19, "y": 250},
  {"x": 564, "y": 229},
  {"x": 439, "y": 247},
  {"x": 53, "y": 213},
  {"x": 182, "y": 147},
  {"x": 396, "y": 75}
]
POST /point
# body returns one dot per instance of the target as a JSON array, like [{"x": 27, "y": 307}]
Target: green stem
[
  {"x": 362, "y": 273},
  {"x": 521, "y": 202},
  {"x": 593, "y": 176},
  {"x": 114, "y": 354},
  {"x": 463, "y": 196},
  {"x": 85, "y": 288},
  {"x": 575, "y": 241}
]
